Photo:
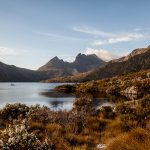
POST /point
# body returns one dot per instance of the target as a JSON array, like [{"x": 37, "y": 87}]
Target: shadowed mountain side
[
  {"x": 82, "y": 63},
  {"x": 138, "y": 60},
  {"x": 54, "y": 68},
  {"x": 11, "y": 73}
]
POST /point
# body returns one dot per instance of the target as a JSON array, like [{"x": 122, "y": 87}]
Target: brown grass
[{"x": 137, "y": 139}]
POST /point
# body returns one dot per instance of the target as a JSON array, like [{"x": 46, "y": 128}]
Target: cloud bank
[
  {"x": 121, "y": 38},
  {"x": 105, "y": 38},
  {"x": 103, "y": 54}
]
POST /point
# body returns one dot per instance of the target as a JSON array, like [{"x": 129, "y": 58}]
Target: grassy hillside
[{"x": 132, "y": 83}]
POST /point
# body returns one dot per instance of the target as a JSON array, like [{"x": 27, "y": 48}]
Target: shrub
[
  {"x": 13, "y": 111},
  {"x": 107, "y": 112},
  {"x": 137, "y": 139}
]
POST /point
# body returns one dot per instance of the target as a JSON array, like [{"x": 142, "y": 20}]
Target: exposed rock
[
  {"x": 138, "y": 60},
  {"x": 148, "y": 75},
  {"x": 85, "y": 63},
  {"x": 131, "y": 90},
  {"x": 101, "y": 147},
  {"x": 1, "y": 143},
  {"x": 82, "y": 63}
]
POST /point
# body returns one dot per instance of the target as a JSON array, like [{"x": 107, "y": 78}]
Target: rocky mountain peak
[
  {"x": 80, "y": 56},
  {"x": 55, "y": 60},
  {"x": 92, "y": 58},
  {"x": 82, "y": 63}
]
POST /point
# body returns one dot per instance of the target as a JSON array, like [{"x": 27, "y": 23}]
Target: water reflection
[
  {"x": 43, "y": 94},
  {"x": 34, "y": 93},
  {"x": 56, "y": 104}
]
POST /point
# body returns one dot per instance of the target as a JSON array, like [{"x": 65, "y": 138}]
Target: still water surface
[
  {"x": 37, "y": 93},
  {"x": 34, "y": 93}
]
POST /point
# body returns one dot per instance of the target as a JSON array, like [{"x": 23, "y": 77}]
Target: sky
[{"x": 34, "y": 31}]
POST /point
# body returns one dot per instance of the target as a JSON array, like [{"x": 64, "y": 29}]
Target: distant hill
[
  {"x": 82, "y": 63},
  {"x": 137, "y": 60},
  {"x": 11, "y": 73},
  {"x": 84, "y": 68},
  {"x": 54, "y": 68}
]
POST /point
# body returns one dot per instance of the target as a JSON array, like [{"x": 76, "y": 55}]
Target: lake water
[
  {"x": 34, "y": 93},
  {"x": 37, "y": 93}
]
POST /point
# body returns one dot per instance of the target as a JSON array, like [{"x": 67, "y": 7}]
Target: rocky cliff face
[
  {"x": 85, "y": 63},
  {"x": 82, "y": 63},
  {"x": 137, "y": 60}
]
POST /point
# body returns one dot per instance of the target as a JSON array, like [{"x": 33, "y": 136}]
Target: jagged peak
[
  {"x": 55, "y": 58},
  {"x": 80, "y": 55}
]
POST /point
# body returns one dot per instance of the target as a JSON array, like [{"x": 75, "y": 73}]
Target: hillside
[
  {"x": 54, "y": 68},
  {"x": 130, "y": 85},
  {"x": 11, "y": 73},
  {"x": 137, "y": 60}
]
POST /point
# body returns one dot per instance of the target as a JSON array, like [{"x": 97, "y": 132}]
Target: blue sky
[{"x": 34, "y": 31}]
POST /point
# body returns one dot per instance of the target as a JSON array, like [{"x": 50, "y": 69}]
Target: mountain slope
[
  {"x": 137, "y": 60},
  {"x": 82, "y": 63},
  {"x": 85, "y": 63},
  {"x": 10, "y": 73},
  {"x": 54, "y": 68}
]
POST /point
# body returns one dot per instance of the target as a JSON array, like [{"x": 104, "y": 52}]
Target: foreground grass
[{"x": 125, "y": 127}]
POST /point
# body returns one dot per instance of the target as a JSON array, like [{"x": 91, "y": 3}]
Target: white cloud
[
  {"x": 61, "y": 37},
  {"x": 92, "y": 31},
  {"x": 105, "y": 38},
  {"x": 69, "y": 59},
  {"x": 4, "y": 51},
  {"x": 121, "y": 38},
  {"x": 103, "y": 54}
]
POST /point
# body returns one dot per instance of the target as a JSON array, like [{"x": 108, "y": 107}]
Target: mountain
[
  {"x": 54, "y": 68},
  {"x": 11, "y": 73},
  {"x": 82, "y": 63},
  {"x": 137, "y": 60},
  {"x": 135, "y": 52},
  {"x": 84, "y": 68},
  {"x": 85, "y": 63},
  {"x": 54, "y": 63}
]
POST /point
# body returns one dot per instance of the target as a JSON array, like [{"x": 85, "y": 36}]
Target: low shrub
[{"x": 137, "y": 139}]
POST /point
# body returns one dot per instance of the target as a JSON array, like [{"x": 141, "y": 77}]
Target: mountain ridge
[
  {"x": 11, "y": 73},
  {"x": 81, "y": 64},
  {"x": 137, "y": 60}
]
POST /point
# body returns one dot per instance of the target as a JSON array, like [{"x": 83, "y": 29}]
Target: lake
[{"x": 36, "y": 93}]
